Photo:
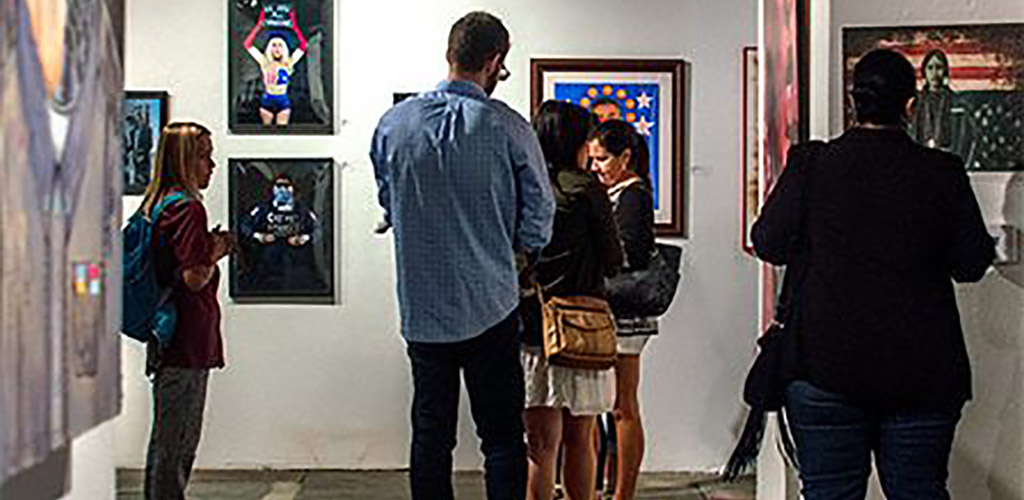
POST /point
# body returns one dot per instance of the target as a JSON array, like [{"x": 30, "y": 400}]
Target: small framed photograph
[
  {"x": 280, "y": 67},
  {"x": 282, "y": 211},
  {"x": 648, "y": 93},
  {"x": 398, "y": 97},
  {"x": 144, "y": 115},
  {"x": 751, "y": 174},
  {"x": 1007, "y": 241}
]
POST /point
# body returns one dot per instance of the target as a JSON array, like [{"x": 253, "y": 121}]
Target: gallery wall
[
  {"x": 988, "y": 455},
  {"x": 329, "y": 386},
  {"x": 92, "y": 465}
]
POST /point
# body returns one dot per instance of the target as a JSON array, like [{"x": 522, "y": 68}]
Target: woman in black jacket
[
  {"x": 619, "y": 156},
  {"x": 878, "y": 227},
  {"x": 562, "y": 402}
]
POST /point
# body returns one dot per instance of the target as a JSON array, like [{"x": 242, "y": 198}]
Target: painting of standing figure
[
  {"x": 970, "y": 100},
  {"x": 280, "y": 67},
  {"x": 61, "y": 83}
]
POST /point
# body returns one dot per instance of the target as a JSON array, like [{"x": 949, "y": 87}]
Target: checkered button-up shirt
[{"x": 463, "y": 180}]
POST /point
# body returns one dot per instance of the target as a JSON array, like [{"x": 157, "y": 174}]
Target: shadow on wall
[{"x": 988, "y": 455}]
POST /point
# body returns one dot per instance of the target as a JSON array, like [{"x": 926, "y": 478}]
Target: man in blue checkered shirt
[{"x": 462, "y": 179}]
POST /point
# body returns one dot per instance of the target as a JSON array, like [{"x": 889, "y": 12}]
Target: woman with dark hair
[
  {"x": 186, "y": 256},
  {"x": 875, "y": 228},
  {"x": 562, "y": 403},
  {"x": 620, "y": 157},
  {"x": 933, "y": 116}
]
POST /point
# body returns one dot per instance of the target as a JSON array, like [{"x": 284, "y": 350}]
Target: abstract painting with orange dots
[
  {"x": 635, "y": 103},
  {"x": 645, "y": 93}
]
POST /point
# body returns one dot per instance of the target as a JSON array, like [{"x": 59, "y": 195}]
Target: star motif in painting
[
  {"x": 644, "y": 127},
  {"x": 644, "y": 101}
]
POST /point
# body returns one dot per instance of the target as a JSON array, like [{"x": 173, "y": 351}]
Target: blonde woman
[
  {"x": 186, "y": 256},
  {"x": 277, "y": 65}
]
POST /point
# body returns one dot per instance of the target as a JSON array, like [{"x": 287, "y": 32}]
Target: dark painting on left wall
[
  {"x": 144, "y": 115},
  {"x": 282, "y": 211}
]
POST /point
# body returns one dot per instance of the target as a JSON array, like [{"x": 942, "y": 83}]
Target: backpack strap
[{"x": 166, "y": 202}]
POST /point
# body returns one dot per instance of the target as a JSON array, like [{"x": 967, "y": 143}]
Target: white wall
[
  {"x": 92, "y": 465},
  {"x": 329, "y": 386},
  {"x": 988, "y": 456}
]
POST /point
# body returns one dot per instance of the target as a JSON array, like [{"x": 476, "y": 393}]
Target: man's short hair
[
  {"x": 475, "y": 39},
  {"x": 604, "y": 101}
]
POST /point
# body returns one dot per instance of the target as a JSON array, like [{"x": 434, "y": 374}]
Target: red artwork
[{"x": 784, "y": 97}]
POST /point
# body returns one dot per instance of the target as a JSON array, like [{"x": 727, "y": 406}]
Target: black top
[
  {"x": 584, "y": 246},
  {"x": 888, "y": 224},
  {"x": 634, "y": 214}
]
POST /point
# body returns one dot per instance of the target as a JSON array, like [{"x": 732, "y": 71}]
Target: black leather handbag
[
  {"x": 778, "y": 363},
  {"x": 647, "y": 292}
]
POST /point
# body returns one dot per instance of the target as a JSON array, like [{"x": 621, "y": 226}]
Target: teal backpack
[{"x": 146, "y": 311}]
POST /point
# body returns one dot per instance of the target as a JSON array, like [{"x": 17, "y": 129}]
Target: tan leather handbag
[{"x": 578, "y": 332}]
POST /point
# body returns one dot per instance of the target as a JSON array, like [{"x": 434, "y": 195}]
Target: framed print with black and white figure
[
  {"x": 282, "y": 211},
  {"x": 145, "y": 114},
  {"x": 647, "y": 93},
  {"x": 280, "y": 71}
]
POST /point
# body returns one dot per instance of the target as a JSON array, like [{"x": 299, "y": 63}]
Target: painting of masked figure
[
  {"x": 280, "y": 67},
  {"x": 60, "y": 191},
  {"x": 970, "y": 100},
  {"x": 283, "y": 214}
]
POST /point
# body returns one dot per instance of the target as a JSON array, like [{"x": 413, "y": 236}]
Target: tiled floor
[{"x": 344, "y": 485}]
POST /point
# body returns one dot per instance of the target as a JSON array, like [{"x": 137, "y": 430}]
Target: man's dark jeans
[
  {"x": 494, "y": 381},
  {"x": 835, "y": 441}
]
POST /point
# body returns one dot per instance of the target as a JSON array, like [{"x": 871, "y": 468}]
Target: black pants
[
  {"x": 179, "y": 396},
  {"x": 494, "y": 379}
]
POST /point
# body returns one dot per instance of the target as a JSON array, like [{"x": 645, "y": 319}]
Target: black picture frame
[
  {"x": 143, "y": 115},
  {"x": 398, "y": 97},
  {"x": 308, "y": 96},
  {"x": 282, "y": 270}
]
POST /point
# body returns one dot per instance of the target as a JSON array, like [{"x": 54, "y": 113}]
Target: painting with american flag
[{"x": 970, "y": 97}]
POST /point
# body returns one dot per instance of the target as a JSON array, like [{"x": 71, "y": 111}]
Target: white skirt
[
  {"x": 632, "y": 345},
  {"x": 582, "y": 392}
]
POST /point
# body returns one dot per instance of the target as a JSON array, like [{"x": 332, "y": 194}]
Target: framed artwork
[
  {"x": 144, "y": 115},
  {"x": 280, "y": 67},
  {"x": 786, "y": 116},
  {"x": 398, "y": 97},
  {"x": 60, "y": 366},
  {"x": 650, "y": 94},
  {"x": 750, "y": 190},
  {"x": 1007, "y": 240},
  {"x": 970, "y": 81},
  {"x": 282, "y": 211}
]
